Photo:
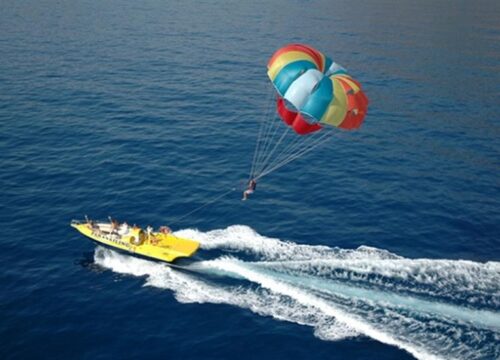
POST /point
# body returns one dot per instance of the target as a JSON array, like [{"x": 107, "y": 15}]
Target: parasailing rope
[{"x": 176, "y": 220}]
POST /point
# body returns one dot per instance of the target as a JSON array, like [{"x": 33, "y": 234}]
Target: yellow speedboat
[{"x": 161, "y": 245}]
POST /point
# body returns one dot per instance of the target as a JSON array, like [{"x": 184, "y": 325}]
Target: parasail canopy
[{"x": 314, "y": 91}]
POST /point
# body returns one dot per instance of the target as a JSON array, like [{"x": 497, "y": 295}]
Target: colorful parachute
[{"x": 314, "y": 91}]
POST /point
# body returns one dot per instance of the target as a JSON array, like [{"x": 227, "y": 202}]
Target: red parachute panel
[{"x": 295, "y": 120}]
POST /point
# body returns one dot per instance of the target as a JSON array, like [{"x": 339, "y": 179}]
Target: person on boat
[
  {"x": 123, "y": 230},
  {"x": 114, "y": 225},
  {"x": 90, "y": 223},
  {"x": 149, "y": 231},
  {"x": 165, "y": 230},
  {"x": 252, "y": 184},
  {"x": 152, "y": 236}
]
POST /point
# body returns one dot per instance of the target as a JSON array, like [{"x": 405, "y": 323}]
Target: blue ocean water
[{"x": 383, "y": 244}]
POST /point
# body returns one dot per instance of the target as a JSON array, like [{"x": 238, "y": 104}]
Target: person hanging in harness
[{"x": 252, "y": 184}]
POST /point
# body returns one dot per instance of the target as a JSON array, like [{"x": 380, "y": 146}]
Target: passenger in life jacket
[{"x": 252, "y": 184}]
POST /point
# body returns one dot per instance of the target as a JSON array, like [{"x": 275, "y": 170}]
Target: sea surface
[{"x": 383, "y": 243}]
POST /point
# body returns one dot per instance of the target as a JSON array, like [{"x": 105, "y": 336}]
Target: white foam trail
[
  {"x": 462, "y": 280},
  {"x": 468, "y": 282},
  {"x": 307, "y": 299},
  {"x": 459, "y": 274},
  {"x": 431, "y": 308},
  {"x": 242, "y": 238},
  {"x": 191, "y": 289},
  {"x": 481, "y": 318}
]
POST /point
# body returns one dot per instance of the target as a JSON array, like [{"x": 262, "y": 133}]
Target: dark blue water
[{"x": 382, "y": 244}]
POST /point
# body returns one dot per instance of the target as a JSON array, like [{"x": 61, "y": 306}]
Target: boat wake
[{"x": 433, "y": 309}]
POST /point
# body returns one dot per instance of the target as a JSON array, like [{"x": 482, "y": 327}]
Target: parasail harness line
[
  {"x": 287, "y": 148},
  {"x": 265, "y": 140},
  {"x": 262, "y": 138},
  {"x": 271, "y": 152},
  {"x": 277, "y": 145},
  {"x": 293, "y": 155},
  {"x": 211, "y": 201}
]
